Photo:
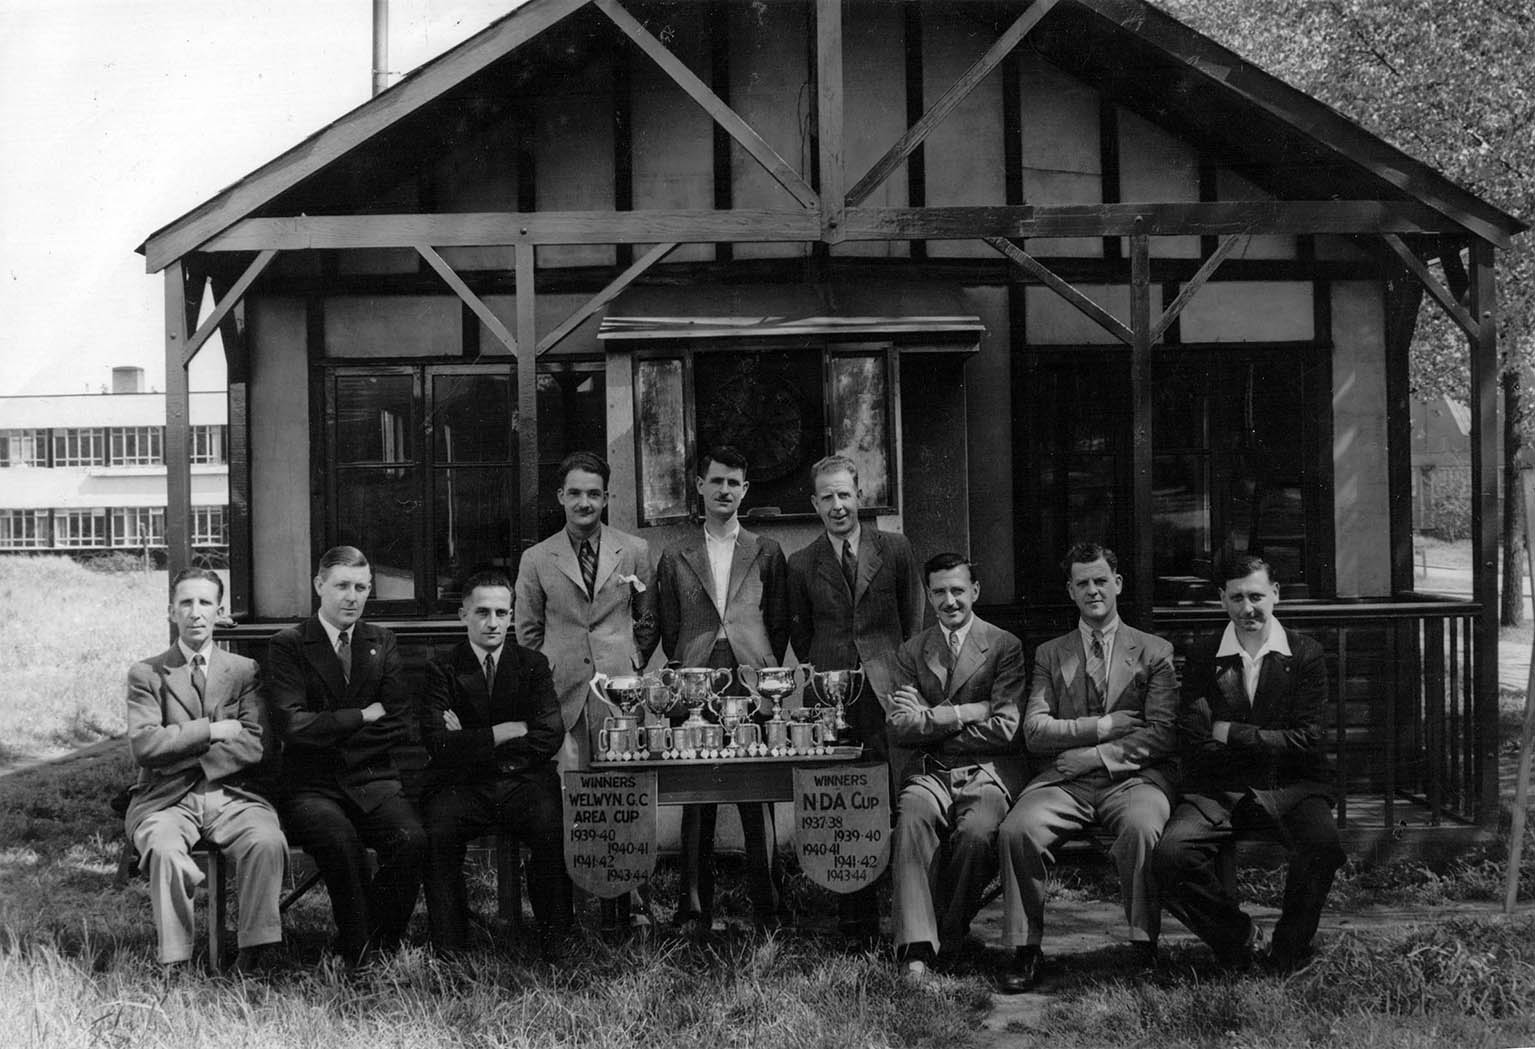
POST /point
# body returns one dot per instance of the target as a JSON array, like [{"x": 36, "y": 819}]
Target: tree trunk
[{"x": 1511, "y": 612}]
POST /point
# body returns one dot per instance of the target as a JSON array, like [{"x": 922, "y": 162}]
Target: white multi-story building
[{"x": 86, "y": 472}]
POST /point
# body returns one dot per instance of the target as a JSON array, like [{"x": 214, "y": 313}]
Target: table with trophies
[{"x": 751, "y": 749}]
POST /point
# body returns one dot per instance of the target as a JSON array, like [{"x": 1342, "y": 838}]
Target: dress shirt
[
  {"x": 851, "y": 539},
  {"x": 481, "y": 653},
  {"x": 575, "y": 546},
  {"x": 334, "y": 632},
  {"x": 962, "y": 633},
  {"x": 206, "y": 652},
  {"x": 1108, "y": 633},
  {"x": 721, "y": 552},
  {"x": 1252, "y": 665}
]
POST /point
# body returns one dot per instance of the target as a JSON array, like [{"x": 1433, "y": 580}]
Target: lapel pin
[{"x": 372, "y": 651}]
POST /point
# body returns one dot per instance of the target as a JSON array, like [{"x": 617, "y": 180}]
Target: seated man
[
  {"x": 196, "y": 728},
  {"x": 338, "y": 696},
  {"x": 1253, "y": 767},
  {"x": 959, "y": 684},
  {"x": 492, "y": 725},
  {"x": 1102, "y": 711}
]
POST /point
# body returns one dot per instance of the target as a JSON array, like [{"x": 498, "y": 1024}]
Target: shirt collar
[
  {"x": 481, "y": 653},
  {"x": 963, "y": 632},
  {"x": 1275, "y": 642},
  {"x": 206, "y": 651},
  {"x": 854, "y": 537},
  {"x": 1108, "y": 631},
  {"x": 575, "y": 544},
  {"x": 729, "y": 537},
  {"x": 334, "y": 632}
]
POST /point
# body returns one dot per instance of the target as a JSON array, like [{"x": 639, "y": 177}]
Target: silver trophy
[{"x": 834, "y": 690}]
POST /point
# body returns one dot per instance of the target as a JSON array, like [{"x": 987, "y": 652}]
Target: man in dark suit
[
  {"x": 959, "y": 685},
  {"x": 722, "y": 601},
  {"x": 854, "y": 597},
  {"x": 1252, "y": 737},
  {"x": 492, "y": 725},
  {"x": 197, "y": 730},
  {"x": 1102, "y": 711},
  {"x": 338, "y": 697}
]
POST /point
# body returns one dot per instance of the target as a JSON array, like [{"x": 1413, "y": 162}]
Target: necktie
[
  {"x": 199, "y": 679},
  {"x": 344, "y": 653},
  {"x": 490, "y": 673},
  {"x": 954, "y": 644},
  {"x": 850, "y": 567},
  {"x": 1097, "y": 671},
  {"x": 588, "y": 558}
]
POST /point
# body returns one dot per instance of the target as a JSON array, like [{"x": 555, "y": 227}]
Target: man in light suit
[
  {"x": 1252, "y": 744},
  {"x": 1102, "y": 712},
  {"x": 586, "y": 600},
  {"x": 959, "y": 685},
  {"x": 722, "y": 600},
  {"x": 338, "y": 696},
  {"x": 197, "y": 729},
  {"x": 492, "y": 726},
  {"x": 854, "y": 597}
]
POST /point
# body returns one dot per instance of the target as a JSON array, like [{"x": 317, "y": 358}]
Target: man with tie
[
  {"x": 1102, "y": 716},
  {"x": 958, "y": 688},
  {"x": 197, "y": 729},
  {"x": 854, "y": 597},
  {"x": 1253, "y": 768},
  {"x": 492, "y": 726},
  {"x": 338, "y": 696},
  {"x": 722, "y": 601}
]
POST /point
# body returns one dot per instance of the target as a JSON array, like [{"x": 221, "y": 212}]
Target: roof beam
[
  {"x": 1190, "y": 289},
  {"x": 473, "y": 301},
  {"x": 230, "y": 300},
  {"x": 605, "y": 296},
  {"x": 957, "y": 93},
  {"x": 1440, "y": 293},
  {"x": 1090, "y": 309}
]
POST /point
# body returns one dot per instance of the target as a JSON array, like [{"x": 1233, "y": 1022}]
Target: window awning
[{"x": 905, "y": 312}]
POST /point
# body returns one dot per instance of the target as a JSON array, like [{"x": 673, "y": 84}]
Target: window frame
[
  {"x": 65, "y": 537},
  {"x": 41, "y": 521},
  {"x": 204, "y": 519},
  {"x": 39, "y": 437},
  {"x": 79, "y": 436},
  {"x": 123, "y": 516},
  {"x": 208, "y": 445}
]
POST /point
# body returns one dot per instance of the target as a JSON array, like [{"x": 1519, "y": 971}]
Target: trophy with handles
[
  {"x": 833, "y": 691},
  {"x": 774, "y": 685},
  {"x": 626, "y": 696}
]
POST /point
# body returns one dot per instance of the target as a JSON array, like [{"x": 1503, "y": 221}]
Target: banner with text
[
  {"x": 610, "y": 830},
  {"x": 842, "y": 824}
]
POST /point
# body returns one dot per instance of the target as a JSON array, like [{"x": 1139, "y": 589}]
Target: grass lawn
[{"x": 77, "y": 962}]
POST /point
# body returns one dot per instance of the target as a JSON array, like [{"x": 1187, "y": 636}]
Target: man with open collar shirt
[
  {"x": 1253, "y": 767},
  {"x": 338, "y": 696}
]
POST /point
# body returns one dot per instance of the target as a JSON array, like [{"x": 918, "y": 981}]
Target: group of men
[{"x": 994, "y": 768}]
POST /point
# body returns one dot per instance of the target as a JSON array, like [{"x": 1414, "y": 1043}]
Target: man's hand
[
  {"x": 1119, "y": 723},
  {"x": 506, "y": 730},
  {"x": 973, "y": 713},
  {"x": 1220, "y": 731},
  {"x": 450, "y": 721},
  {"x": 372, "y": 712},
  {"x": 907, "y": 696},
  {"x": 1078, "y": 761},
  {"x": 228, "y": 728}
]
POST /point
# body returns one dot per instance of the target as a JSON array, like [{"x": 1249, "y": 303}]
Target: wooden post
[
  {"x": 527, "y": 399},
  {"x": 1527, "y": 737},
  {"x": 1142, "y": 570},
  {"x": 1485, "y": 438},
  {"x": 829, "y": 130},
  {"x": 183, "y": 296}
]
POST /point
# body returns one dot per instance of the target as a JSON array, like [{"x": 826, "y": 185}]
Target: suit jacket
[
  {"x": 989, "y": 669},
  {"x": 756, "y": 616},
  {"x": 168, "y": 730},
  {"x": 1141, "y": 677},
  {"x": 581, "y": 634},
  {"x": 1274, "y": 748},
  {"x": 524, "y": 691},
  {"x": 319, "y": 713}
]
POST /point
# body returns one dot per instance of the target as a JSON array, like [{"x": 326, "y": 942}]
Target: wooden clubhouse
[{"x": 1047, "y": 269}]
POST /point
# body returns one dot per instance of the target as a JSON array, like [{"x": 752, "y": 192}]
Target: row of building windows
[
  {"x": 99, "y": 528},
  {"x": 104, "y": 446}
]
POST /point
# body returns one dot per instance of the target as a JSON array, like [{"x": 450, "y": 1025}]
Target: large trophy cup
[
  {"x": 774, "y": 685},
  {"x": 627, "y": 695},
  {"x": 834, "y": 690},
  {"x": 699, "y": 687}
]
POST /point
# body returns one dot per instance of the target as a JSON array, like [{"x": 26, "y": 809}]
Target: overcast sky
[{"x": 118, "y": 116}]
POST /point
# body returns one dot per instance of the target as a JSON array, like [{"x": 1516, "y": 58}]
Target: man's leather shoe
[
  {"x": 252, "y": 960},
  {"x": 1023, "y": 974},
  {"x": 1145, "y": 954}
]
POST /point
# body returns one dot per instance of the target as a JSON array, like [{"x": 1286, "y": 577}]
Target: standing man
[
  {"x": 723, "y": 601},
  {"x": 197, "y": 731},
  {"x": 1252, "y": 738},
  {"x": 492, "y": 726},
  {"x": 854, "y": 597},
  {"x": 959, "y": 685},
  {"x": 585, "y": 600},
  {"x": 338, "y": 696},
  {"x": 1102, "y": 711}
]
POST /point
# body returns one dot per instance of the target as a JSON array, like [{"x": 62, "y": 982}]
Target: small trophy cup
[
  {"x": 627, "y": 695},
  {"x": 833, "y": 690}
]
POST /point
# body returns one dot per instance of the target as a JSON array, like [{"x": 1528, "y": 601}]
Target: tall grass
[{"x": 67, "y": 637}]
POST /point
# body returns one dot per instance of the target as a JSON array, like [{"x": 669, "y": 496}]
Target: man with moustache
[
  {"x": 1102, "y": 712},
  {"x": 197, "y": 729},
  {"x": 492, "y": 725},
  {"x": 959, "y": 686},
  {"x": 1254, "y": 768},
  {"x": 338, "y": 696},
  {"x": 722, "y": 601},
  {"x": 854, "y": 597}
]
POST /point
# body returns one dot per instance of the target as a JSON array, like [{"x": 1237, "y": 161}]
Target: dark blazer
[
  {"x": 837, "y": 629},
  {"x": 756, "y": 607},
  {"x": 168, "y": 729},
  {"x": 319, "y": 713},
  {"x": 990, "y": 669},
  {"x": 1274, "y": 748},
  {"x": 524, "y": 691},
  {"x": 1142, "y": 678}
]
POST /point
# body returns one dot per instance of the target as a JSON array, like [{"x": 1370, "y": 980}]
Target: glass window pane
[
  {"x": 476, "y": 524},
  {"x": 375, "y": 419},
  {"x": 473, "y": 417},
  {"x": 376, "y": 511},
  {"x": 860, "y": 423},
  {"x": 662, "y": 425},
  {"x": 1180, "y": 508}
]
